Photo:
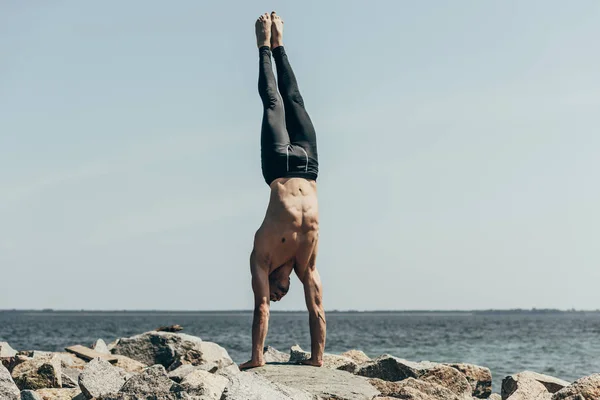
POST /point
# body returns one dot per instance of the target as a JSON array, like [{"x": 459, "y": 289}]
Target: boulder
[
  {"x": 480, "y": 378},
  {"x": 272, "y": 355},
  {"x": 6, "y": 350},
  {"x": 586, "y": 388},
  {"x": 551, "y": 383},
  {"x": 390, "y": 368},
  {"x": 8, "y": 388},
  {"x": 252, "y": 386},
  {"x": 38, "y": 373},
  {"x": 523, "y": 387},
  {"x": 58, "y": 394},
  {"x": 320, "y": 382},
  {"x": 358, "y": 356},
  {"x": 450, "y": 378},
  {"x": 201, "y": 383},
  {"x": 100, "y": 378},
  {"x": 172, "y": 350},
  {"x": 129, "y": 365},
  {"x": 101, "y": 347},
  {"x": 411, "y": 388},
  {"x": 331, "y": 361},
  {"x": 151, "y": 382},
  {"x": 29, "y": 395}
]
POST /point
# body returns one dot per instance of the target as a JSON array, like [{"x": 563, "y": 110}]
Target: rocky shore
[{"x": 161, "y": 365}]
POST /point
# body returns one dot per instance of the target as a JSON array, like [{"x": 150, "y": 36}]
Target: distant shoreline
[{"x": 414, "y": 312}]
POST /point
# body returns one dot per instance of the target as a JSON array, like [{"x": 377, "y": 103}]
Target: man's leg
[{"x": 274, "y": 136}]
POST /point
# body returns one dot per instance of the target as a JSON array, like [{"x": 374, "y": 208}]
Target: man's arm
[
  {"x": 260, "y": 323},
  {"x": 313, "y": 294}
]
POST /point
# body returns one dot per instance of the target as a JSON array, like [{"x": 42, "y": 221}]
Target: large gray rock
[
  {"x": 172, "y": 350},
  {"x": 204, "y": 384},
  {"x": 413, "y": 389},
  {"x": 38, "y": 373},
  {"x": 8, "y": 388},
  {"x": 390, "y": 368},
  {"x": 101, "y": 347},
  {"x": 252, "y": 386},
  {"x": 530, "y": 384},
  {"x": 6, "y": 350},
  {"x": 586, "y": 388},
  {"x": 321, "y": 382},
  {"x": 480, "y": 378},
  {"x": 152, "y": 381},
  {"x": 29, "y": 395},
  {"x": 331, "y": 361},
  {"x": 450, "y": 378},
  {"x": 272, "y": 355},
  {"x": 100, "y": 378}
]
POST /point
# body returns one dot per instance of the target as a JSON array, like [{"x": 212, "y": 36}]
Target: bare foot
[
  {"x": 312, "y": 362},
  {"x": 263, "y": 30},
  {"x": 251, "y": 364},
  {"x": 276, "y": 30}
]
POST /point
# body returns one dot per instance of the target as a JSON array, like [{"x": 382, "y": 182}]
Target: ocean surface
[{"x": 564, "y": 345}]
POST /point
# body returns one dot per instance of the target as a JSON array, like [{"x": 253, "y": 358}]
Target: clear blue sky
[{"x": 458, "y": 145}]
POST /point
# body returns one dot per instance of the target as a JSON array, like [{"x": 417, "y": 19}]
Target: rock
[
  {"x": 172, "y": 350},
  {"x": 129, "y": 365},
  {"x": 170, "y": 328},
  {"x": 101, "y": 347},
  {"x": 70, "y": 377},
  {"x": 181, "y": 372},
  {"x": 272, "y": 355},
  {"x": 321, "y": 382},
  {"x": 358, "y": 356},
  {"x": 480, "y": 378},
  {"x": 390, "y": 368},
  {"x": 38, "y": 373},
  {"x": 66, "y": 359},
  {"x": 252, "y": 386},
  {"x": 30, "y": 395},
  {"x": 57, "y": 394},
  {"x": 331, "y": 361},
  {"x": 586, "y": 388},
  {"x": 100, "y": 378},
  {"x": 412, "y": 388},
  {"x": 205, "y": 384},
  {"x": 495, "y": 396},
  {"x": 112, "y": 344},
  {"x": 152, "y": 381},
  {"x": 6, "y": 350},
  {"x": 523, "y": 386},
  {"x": 8, "y": 388},
  {"x": 551, "y": 383},
  {"x": 450, "y": 378}
]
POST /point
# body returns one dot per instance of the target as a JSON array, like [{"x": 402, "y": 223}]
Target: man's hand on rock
[{"x": 252, "y": 364}]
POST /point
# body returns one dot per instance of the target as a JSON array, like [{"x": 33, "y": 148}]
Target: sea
[{"x": 561, "y": 344}]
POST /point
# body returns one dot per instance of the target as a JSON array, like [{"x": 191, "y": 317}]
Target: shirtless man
[{"x": 288, "y": 238}]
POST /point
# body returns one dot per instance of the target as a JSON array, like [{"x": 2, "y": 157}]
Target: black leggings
[{"x": 290, "y": 152}]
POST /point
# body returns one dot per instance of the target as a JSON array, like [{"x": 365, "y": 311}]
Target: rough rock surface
[
  {"x": 58, "y": 394},
  {"x": 8, "y": 388},
  {"x": 322, "y": 382},
  {"x": 101, "y": 347},
  {"x": 480, "y": 378},
  {"x": 450, "y": 378},
  {"x": 411, "y": 388},
  {"x": 331, "y": 361},
  {"x": 181, "y": 372},
  {"x": 6, "y": 350},
  {"x": 390, "y": 368},
  {"x": 495, "y": 396},
  {"x": 358, "y": 356},
  {"x": 252, "y": 386},
  {"x": 70, "y": 377},
  {"x": 29, "y": 395},
  {"x": 153, "y": 380},
  {"x": 523, "y": 386},
  {"x": 172, "y": 350},
  {"x": 551, "y": 383},
  {"x": 205, "y": 384},
  {"x": 586, "y": 388},
  {"x": 38, "y": 373},
  {"x": 272, "y": 355},
  {"x": 100, "y": 378},
  {"x": 128, "y": 364}
]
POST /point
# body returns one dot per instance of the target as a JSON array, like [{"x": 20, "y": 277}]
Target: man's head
[{"x": 279, "y": 282}]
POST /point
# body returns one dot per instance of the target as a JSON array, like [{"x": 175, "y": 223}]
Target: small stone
[
  {"x": 101, "y": 347},
  {"x": 272, "y": 355},
  {"x": 100, "y": 378},
  {"x": 480, "y": 378}
]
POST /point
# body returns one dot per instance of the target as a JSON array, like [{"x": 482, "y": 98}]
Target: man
[{"x": 288, "y": 237}]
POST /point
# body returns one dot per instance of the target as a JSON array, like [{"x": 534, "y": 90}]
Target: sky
[{"x": 458, "y": 146}]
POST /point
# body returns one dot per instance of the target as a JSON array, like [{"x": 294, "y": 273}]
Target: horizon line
[{"x": 462, "y": 311}]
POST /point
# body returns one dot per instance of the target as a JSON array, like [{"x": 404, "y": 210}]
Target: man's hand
[{"x": 252, "y": 364}]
